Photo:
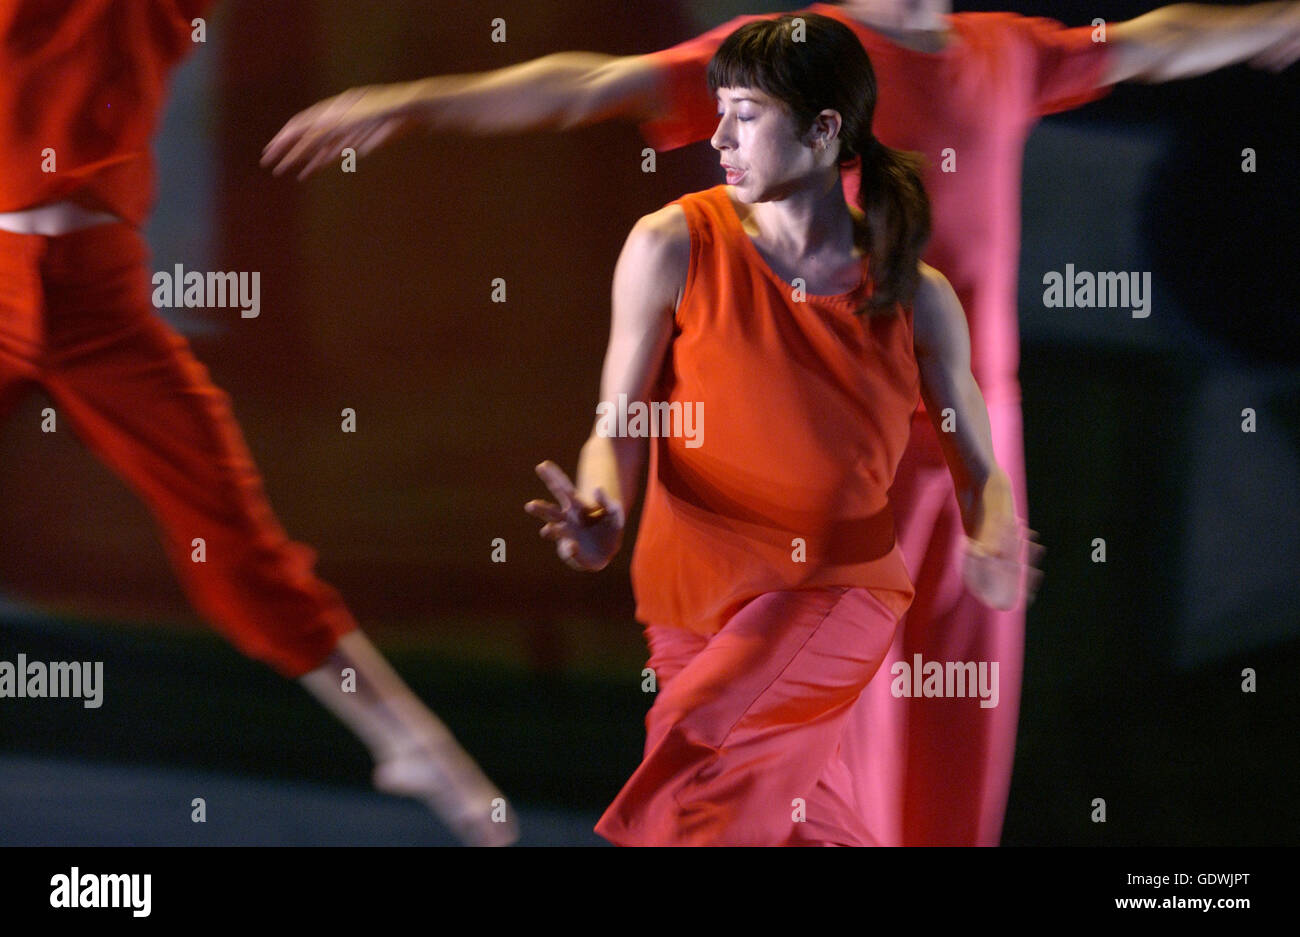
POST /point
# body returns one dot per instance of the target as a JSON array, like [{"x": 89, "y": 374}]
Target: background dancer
[{"x": 76, "y": 321}]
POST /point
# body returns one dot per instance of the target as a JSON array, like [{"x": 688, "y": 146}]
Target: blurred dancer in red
[{"x": 84, "y": 84}]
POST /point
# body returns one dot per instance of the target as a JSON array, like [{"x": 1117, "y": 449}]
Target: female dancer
[
  {"x": 766, "y": 570},
  {"x": 85, "y": 81}
]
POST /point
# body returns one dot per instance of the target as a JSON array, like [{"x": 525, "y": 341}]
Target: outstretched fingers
[
  {"x": 560, "y": 485},
  {"x": 312, "y": 135},
  {"x": 321, "y": 117}
]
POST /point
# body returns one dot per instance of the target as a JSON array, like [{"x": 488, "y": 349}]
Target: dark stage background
[{"x": 376, "y": 295}]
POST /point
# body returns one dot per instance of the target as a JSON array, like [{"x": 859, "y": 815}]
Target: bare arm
[
  {"x": 567, "y": 89},
  {"x": 993, "y": 569},
  {"x": 942, "y": 344},
  {"x": 1188, "y": 39},
  {"x": 559, "y": 91},
  {"x": 648, "y": 283}
]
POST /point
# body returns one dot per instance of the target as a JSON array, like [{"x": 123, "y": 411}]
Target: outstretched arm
[
  {"x": 587, "y": 523},
  {"x": 559, "y": 91},
  {"x": 994, "y": 559},
  {"x": 1188, "y": 39}
]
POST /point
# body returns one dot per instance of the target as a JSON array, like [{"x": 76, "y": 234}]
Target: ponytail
[{"x": 897, "y": 227}]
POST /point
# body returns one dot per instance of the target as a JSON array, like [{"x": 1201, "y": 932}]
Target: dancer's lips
[{"x": 734, "y": 175}]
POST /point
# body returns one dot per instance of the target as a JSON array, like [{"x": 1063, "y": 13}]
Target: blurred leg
[
  {"x": 141, "y": 402},
  {"x": 875, "y": 745},
  {"x": 936, "y": 771},
  {"x": 416, "y": 755},
  {"x": 961, "y": 754}
]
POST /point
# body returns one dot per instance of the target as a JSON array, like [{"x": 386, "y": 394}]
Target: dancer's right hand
[
  {"x": 586, "y": 535},
  {"x": 362, "y": 118}
]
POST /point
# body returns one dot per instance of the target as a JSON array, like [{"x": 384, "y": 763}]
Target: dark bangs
[
  {"x": 758, "y": 55},
  {"x": 823, "y": 66}
]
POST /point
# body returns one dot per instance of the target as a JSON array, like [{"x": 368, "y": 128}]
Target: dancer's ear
[{"x": 825, "y": 130}]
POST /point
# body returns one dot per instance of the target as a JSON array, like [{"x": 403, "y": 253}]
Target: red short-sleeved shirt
[
  {"x": 973, "y": 103},
  {"x": 85, "y": 79}
]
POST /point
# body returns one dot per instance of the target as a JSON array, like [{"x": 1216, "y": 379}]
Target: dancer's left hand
[{"x": 1001, "y": 555}]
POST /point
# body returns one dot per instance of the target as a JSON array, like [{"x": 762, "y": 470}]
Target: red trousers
[
  {"x": 743, "y": 739},
  {"x": 76, "y": 320},
  {"x": 937, "y": 771}
]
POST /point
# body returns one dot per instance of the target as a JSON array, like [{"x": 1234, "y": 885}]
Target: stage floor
[{"x": 56, "y": 802}]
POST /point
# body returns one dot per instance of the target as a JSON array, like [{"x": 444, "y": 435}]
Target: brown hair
[{"x": 827, "y": 68}]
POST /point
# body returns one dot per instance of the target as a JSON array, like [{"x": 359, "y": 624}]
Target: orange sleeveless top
[{"x": 803, "y": 409}]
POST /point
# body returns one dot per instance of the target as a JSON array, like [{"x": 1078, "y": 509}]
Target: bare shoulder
[
  {"x": 655, "y": 262},
  {"x": 665, "y": 228},
  {"x": 938, "y": 321},
  {"x": 933, "y": 288},
  {"x": 661, "y": 241}
]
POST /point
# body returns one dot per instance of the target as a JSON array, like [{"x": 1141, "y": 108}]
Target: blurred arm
[
  {"x": 1188, "y": 39},
  {"x": 559, "y": 91},
  {"x": 568, "y": 89}
]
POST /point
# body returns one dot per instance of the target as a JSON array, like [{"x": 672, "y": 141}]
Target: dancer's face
[{"x": 759, "y": 146}]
